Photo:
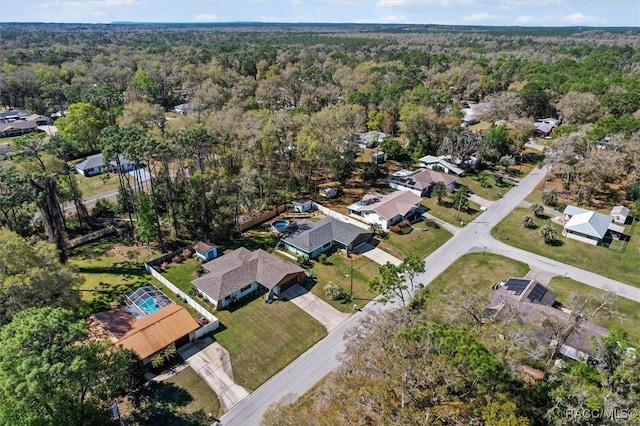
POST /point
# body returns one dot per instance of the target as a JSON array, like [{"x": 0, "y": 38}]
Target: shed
[
  {"x": 378, "y": 157},
  {"x": 620, "y": 214},
  {"x": 328, "y": 191},
  {"x": 302, "y": 205},
  {"x": 206, "y": 252}
]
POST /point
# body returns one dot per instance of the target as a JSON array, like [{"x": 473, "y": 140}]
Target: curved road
[{"x": 299, "y": 376}]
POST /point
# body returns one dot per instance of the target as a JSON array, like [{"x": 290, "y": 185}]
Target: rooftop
[
  {"x": 313, "y": 236},
  {"x": 388, "y": 206}
]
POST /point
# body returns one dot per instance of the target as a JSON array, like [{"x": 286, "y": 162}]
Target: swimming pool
[
  {"x": 280, "y": 225},
  {"x": 149, "y": 305}
]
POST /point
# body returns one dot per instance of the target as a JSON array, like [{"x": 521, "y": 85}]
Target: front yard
[
  {"x": 184, "y": 399},
  {"x": 447, "y": 212},
  {"x": 264, "y": 338},
  {"x": 421, "y": 241},
  {"x": 485, "y": 185},
  {"x": 337, "y": 269},
  {"x": 611, "y": 263}
]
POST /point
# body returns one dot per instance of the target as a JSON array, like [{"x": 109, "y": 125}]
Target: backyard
[
  {"x": 624, "y": 313},
  {"x": 421, "y": 241},
  {"x": 601, "y": 260}
]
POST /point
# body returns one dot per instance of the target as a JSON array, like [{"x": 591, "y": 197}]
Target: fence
[
  {"x": 331, "y": 213},
  {"x": 213, "y": 321},
  {"x": 91, "y": 236},
  {"x": 262, "y": 218}
]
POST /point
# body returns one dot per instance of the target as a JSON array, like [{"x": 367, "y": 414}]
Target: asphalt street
[{"x": 322, "y": 358}]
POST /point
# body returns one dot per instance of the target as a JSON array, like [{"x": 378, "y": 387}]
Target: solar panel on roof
[
  {"x": 516, "y": 285},
  {"x": 537, "y": 293}
]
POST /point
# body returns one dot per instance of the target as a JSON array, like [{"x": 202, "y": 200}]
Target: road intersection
[{"x": 299, "y": 376}]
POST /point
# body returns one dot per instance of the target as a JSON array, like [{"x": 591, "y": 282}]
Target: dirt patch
[{"x": 123, "y": 252}]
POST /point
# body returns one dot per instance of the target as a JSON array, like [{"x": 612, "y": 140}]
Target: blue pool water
[
  {"x": 149, "y": 305},
  {"x": 279, "y": 225}
]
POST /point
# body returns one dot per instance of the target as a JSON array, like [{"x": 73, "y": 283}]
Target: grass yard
[
  {"x": 96, "y": 184},
  {"x": 337, "y": 269},
  {"x": 254, "y": 239},
  {"x": 448, "y": 213},
  {"x": 491, "y": 190},
  {"x": 475, "y": 272},
  {"x": 264, "y": 338},
  {"x": 618, "y": 266},
  {"x": 625, "y": 313},
  {"x": 421, "y": 241},
  {"x": 183, "y": 400},
  {"x": 181, "y": 274}
]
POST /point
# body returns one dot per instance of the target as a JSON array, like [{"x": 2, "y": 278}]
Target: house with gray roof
[
  {"x": 17, "y": 128},
  {"x": 621, "y": 214},
  {"x": 588, "y": 226},
  {"x": 241, "y": 272},
  {"x": 313, "y": 239},
  {"x": 95, "y": 164},
  {"x": 443, "y": 162}
]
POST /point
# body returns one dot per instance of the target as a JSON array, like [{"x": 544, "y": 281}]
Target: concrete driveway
[
  {"x": 323, "y": 312},
  {"x": 211, "y": 361},
  {"x": 377, "y": 255}
]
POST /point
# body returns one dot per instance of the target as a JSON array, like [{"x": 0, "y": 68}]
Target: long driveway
[{"x": 322, "y": 358}]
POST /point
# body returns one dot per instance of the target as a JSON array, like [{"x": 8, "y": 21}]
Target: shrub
[
  {"x": 550, "y": 197},
  {"x": 633, "y": 192},
  {"x": 164, "y": 266},
  {"x": 431, "y": 223},
  {"x": 176, "y": 259},
  {"x": 335, "y": 291},
  {"x": 187, "y": 254},
  {"x": 322, "y": 259}
]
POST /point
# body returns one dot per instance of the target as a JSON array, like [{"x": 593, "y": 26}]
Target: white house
[
  {"x": 586, "y": 226},
  {"x": 302, "y": 205},
  {"x": 620, "y": 214},
  {"x": 386, "y": 210},
  {"x": 443, "y": 162},
  {"x": 328, "y": 191}
]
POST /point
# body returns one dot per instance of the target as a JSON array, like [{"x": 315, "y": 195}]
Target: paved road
[{"x": 318, "y": 361}]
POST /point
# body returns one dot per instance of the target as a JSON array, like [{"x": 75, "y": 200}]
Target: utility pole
[{"x": 350, "y": 275}]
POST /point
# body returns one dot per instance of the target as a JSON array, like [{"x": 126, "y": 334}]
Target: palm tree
[
  {"x": 376, "y": 229},
  {"x": 548, "y": 233},
  {"x": 550, "y": 197},
  {"x": 536, "y": 208},
  {"x": 439, "y": 190},
  {"x": 527, "y": 221}
]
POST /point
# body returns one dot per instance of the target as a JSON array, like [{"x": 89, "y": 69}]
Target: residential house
[
  {"x": 544, "y": 126},
  {"x": 302, "y": 205},
  {"x": 17, "y": 128},
  {"x": 386, "y": 210},
  {"x": 13, "y": 115},
  {"x": 95, "y": 164},
  {"x": 241, "y": 272},
  {"x": 40, "y": 120},
  {"x": 421, "y": 182},
  {"x": 148, "y": 323},
  {"x": 312, "y": 239},
  {"x": 588, "y": 226},
  {"x": 328, "y": 191},
  {"x": 620, "y": 214},
  {"x": 206, "y": 252},
  {"x": 181, "y": 109},
  {"x": 442, "y": 162},
  {"x": 533, "y": 303},
  {"x": 370, "y": 139}
]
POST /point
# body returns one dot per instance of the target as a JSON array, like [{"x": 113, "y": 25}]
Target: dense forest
[{"x": 273, "y": 112}]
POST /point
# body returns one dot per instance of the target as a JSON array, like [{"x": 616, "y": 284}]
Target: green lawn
[
  {"x": 491, "y": 191},
  {"x": 96, "y": 184},
  {"x": 611, "y": 263},
  {"x": 181, "y": 274},
  {"x": 448, "y": 213},
  {"x": 264, "y": 338},
  {"x": 337, "y": 269},
  {"x": 624, "y": 313},
  {"x": 253, "y": 239},
  {"x": 183, "y": 400},
  {"x": 421, "y": 241},
  {"x": 475, "y": 272}
]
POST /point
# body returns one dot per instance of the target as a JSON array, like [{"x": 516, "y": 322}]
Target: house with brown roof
[
  {"x": 241, "y": 272},
  {"x": 421, "y": 181},
  {"x": 146, "y": 335},
  {"x": 386, "y": 210},
  {"x": 534, "y": 303}
]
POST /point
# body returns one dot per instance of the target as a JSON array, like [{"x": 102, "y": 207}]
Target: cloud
[
  {"x": 391, "y": 3},
  {"x": 579, "y": 18},
  {"x": 527, "y": 20},
  {"x": 205, "y": 17},
  {"x": 482, "y": 17}
]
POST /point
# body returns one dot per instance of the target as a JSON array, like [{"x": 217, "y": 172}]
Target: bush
[
  {"x": 550, "y": 197},
  {"x": 431, "y": 224},
  {"x": 187, "y": 254},
  {"x": 164, "y": 266},
  {"x": 633, "y": 192},
  {"x": 322, "y": 259},
  {"x": 176, "y": 259},
  {"x": 335, "y": 291}
]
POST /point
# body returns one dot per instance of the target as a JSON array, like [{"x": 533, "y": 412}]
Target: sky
[{"x": 612, "y": 13}]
